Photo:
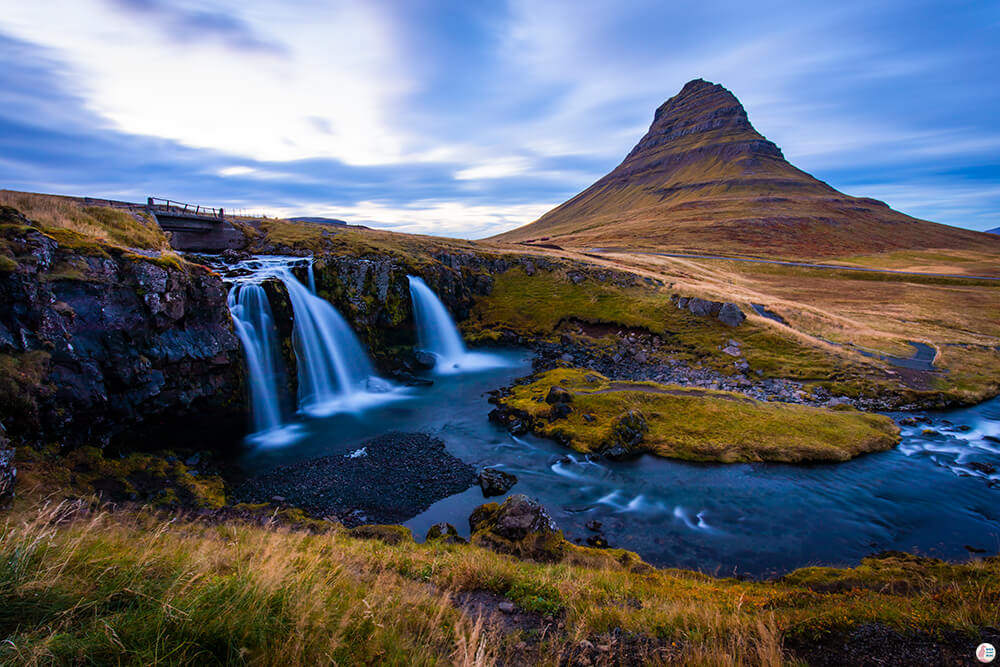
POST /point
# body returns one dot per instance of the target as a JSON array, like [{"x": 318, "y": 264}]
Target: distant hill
[
  {"x": 995, "y": 230},
  {"x": 327, "y": 221},
  {"x": 703, "y": 179}
]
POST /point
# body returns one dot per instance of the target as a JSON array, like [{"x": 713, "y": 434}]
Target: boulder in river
[
  {"x": 496, "y": 482},
  {"x": 424, "y": 359}
]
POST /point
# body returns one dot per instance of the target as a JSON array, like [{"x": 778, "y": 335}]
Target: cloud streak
[{"x": 465, "y": 119}]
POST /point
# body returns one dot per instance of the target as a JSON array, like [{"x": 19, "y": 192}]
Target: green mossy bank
[{"x": 689, "y": 424}]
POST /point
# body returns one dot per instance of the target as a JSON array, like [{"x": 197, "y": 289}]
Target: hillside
[{"x": 703, "y": 179}]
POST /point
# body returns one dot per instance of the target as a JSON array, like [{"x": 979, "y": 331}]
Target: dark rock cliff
[{"x": 95, "y": 340}]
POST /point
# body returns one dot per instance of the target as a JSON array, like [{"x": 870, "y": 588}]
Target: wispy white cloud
[{"x": 337, "y": 65}]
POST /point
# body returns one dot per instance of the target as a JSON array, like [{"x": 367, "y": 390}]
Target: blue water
[{"x": 927, "y": 496}]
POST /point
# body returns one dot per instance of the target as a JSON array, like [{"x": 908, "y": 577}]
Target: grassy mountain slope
[{"x": 703, "y": 179}]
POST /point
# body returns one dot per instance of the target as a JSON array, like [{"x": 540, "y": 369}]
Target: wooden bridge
[{"x": 193, "y": 227}]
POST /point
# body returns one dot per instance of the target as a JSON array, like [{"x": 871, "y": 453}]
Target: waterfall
[
  {"x": 312, "y": 278},
  {"x": 438, "y": 335},
  {"x": 334, "y": 371},
  {"x": 254, "y": 325}
]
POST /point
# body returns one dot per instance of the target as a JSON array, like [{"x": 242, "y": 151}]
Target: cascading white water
[
  {"x": 254, "y": 325},
  {"x": 312, "y": 278},
  {"x": 437, "y": 333},
  {"x": 334, "y": 371}
]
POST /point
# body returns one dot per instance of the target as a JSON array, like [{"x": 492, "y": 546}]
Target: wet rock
[
  {"x": 496, "y": 482},
  {"x": 444, "y": 533},
  {"x": 598, "y": 541},
  {"x": 594, "y": 525},
  {"x": 984, "y": 468},
  {"x": 731, "y": 315},
  {"x": 424, "y": 360},
  {"x": 682, "y": 303}
]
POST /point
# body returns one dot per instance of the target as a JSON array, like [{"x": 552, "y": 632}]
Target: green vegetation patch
[
  {"x": 695, "y": 424},
  {"x": 162, "y": 481},
  {"x": 536, "y": 305}
]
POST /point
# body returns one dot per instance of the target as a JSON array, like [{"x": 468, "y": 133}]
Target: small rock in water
[
  {"x": 495, "y": 482},
  {"x": 598, "y": 541},
  {"x": 594, "y": 525},
  {"x": 424, "y": 359},
  {"x": 984, "y": 468},
  {"x": 193, "y": 460},
  {"x": 357, "y": 453},
  {"x": 277, "y": 499}
]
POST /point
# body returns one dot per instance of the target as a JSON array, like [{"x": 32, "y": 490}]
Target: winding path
[{"x": 808, "y": 265}]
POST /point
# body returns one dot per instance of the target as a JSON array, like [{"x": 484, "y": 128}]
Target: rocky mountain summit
[{"x": 703, "y": 179}]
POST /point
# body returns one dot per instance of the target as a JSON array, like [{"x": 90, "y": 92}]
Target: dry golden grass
[
  {"x": 79, "y": 585},
  {"x": 880, "y": 312},
  {"x": 112, "y": 226}
]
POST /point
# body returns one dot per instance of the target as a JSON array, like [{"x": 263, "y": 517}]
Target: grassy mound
[
  {"x": 698, "y": 424},
  {"x": 72, "y": 223}
]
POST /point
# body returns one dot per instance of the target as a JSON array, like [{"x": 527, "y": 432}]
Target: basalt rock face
[
  {"x": 95, "y": 341},
  {"x": 703, "y": 180}
]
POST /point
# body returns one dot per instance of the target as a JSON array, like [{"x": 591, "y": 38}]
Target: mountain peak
[
  {"x": 704, "y": 109},
  {"x": 702, "y": 179}
]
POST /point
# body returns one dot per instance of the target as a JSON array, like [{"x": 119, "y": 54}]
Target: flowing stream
[{"x": 935, "y": 494}]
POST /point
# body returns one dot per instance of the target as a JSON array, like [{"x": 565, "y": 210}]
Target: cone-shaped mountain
[{"x": 703, "y": 179}]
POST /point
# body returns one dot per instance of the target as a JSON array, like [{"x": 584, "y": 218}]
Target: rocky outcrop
[
  {"x": 444, "y": 533},
  {"x": 726, "y": 312},
  {"x": 95, "y": 340},
  {"x": 520, "y": 526}
]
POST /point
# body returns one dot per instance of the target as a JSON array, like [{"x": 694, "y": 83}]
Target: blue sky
[{"x": 470, "y": 118}]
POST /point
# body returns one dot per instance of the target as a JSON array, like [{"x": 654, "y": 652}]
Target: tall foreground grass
[{"x": 79, "y": 586}]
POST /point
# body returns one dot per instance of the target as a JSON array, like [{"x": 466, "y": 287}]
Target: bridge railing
[{"x": 170, "y": 206}]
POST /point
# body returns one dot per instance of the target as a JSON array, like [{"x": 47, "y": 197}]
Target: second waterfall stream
[{"x": 438, "y": 335}]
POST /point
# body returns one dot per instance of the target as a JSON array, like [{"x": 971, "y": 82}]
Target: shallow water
[{"x": 927, "y": 496}]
